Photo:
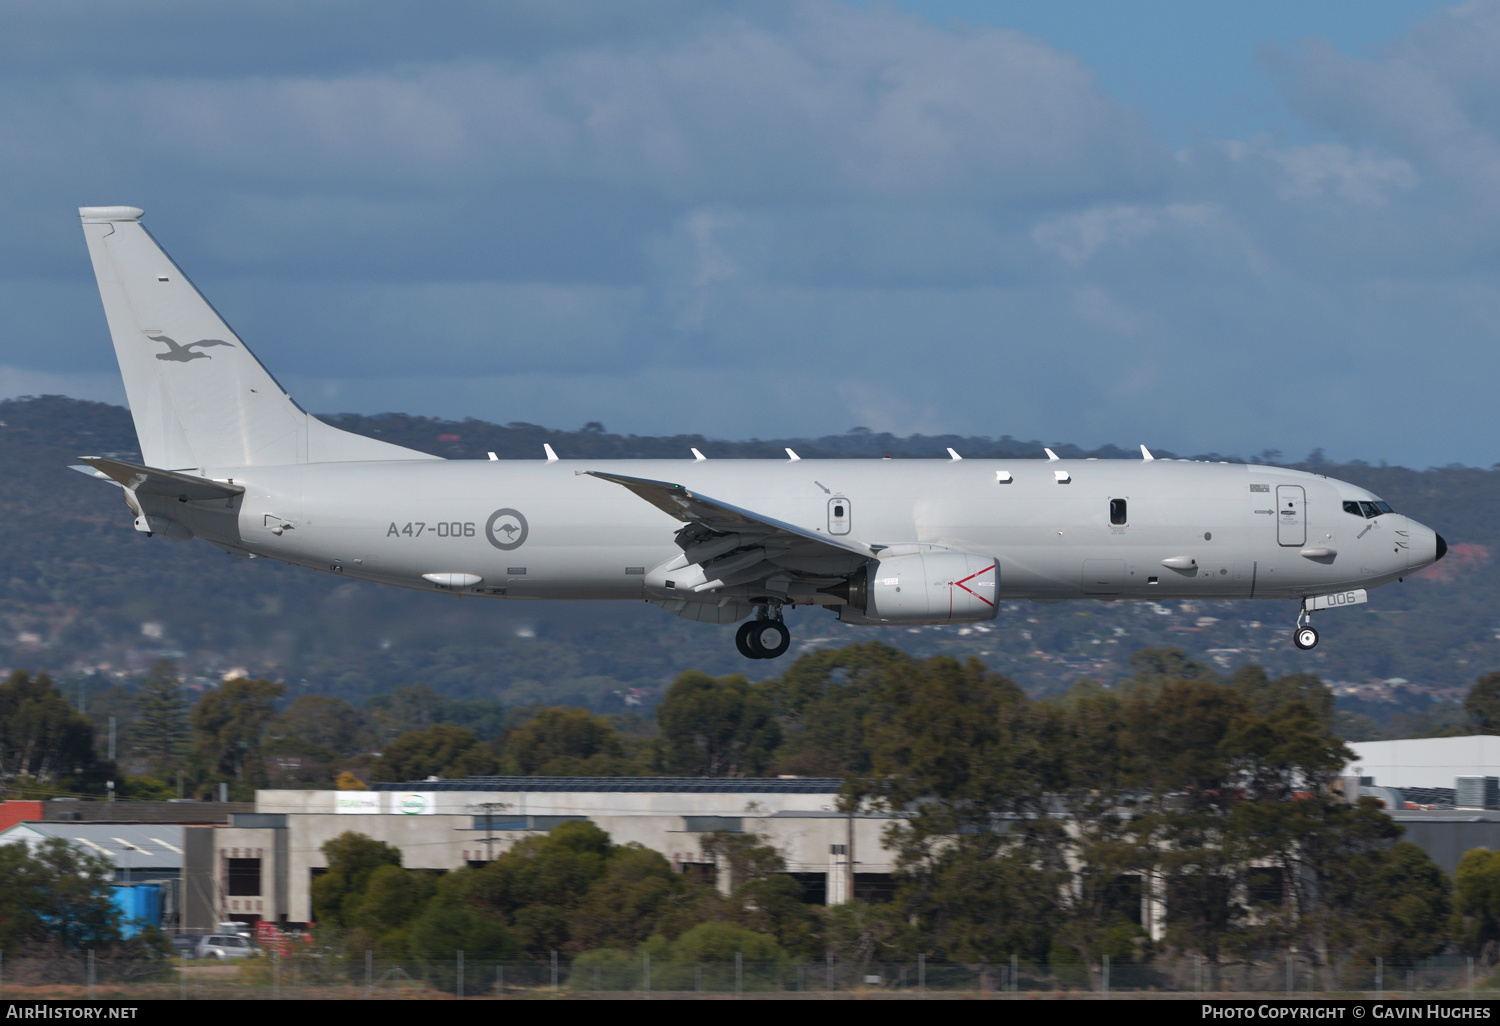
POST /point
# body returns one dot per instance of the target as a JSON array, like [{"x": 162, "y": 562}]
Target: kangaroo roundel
[{"x": 506, "y": 529}]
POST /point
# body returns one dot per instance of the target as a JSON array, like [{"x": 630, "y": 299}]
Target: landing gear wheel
[
  {"x": 770, "y": 638},
  {"x": 1305, "y": 638},
  {"x": 742, "y": 640}
]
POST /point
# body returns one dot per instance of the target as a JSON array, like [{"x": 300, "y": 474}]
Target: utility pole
[{"x": 489, "y": 809}]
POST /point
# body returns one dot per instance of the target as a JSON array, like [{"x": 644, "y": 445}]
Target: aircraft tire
[
  {"x": 779, "y": 646},
  {"x": 1305, "y": 638},
  {"x": 744, "y": 642}
]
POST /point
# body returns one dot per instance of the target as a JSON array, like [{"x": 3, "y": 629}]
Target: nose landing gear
[
  {"x": 1305, "y": 636},
  {"x": 763, "y": 637}
]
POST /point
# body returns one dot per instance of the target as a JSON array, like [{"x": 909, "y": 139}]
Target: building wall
[
  {"x": 1425, "y": 762},
  {"x": 12, "y": 813},
  {"x": 811, "y": 835}
]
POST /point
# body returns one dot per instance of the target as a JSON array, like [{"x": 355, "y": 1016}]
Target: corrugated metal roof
[
  {"x": 128, "y": 845},
  {"x": 688, "y": 785}
]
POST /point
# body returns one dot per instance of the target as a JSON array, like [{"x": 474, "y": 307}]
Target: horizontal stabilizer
[{"x": 150, "y": 481}]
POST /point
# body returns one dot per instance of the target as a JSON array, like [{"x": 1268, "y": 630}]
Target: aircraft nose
[{"x": 1442, "y": 548}]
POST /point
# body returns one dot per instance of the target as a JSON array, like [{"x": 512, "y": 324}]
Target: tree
[
  {"x": 41, "y": 735},
  {"x": 564, "y": 743},
  {"x": 535, "y": 887},
  {"x": 392, "y": 897},
  {"x": 716, "y": 727},
  {"x": 160, "y": 732},
  {"x": 823, "y": 701},
  {"x": 625, "y": 905},
  {"x": 1483, "y": 703},
  {"x": 353, "y": 859},
  {"x": 228, "y": 724},
  {"x": 325, "y": 723},
  {"x": 441, "y": 750},
  {"x": 1265, "y": 696},
  {"x": 57, "y": 894},
  {"x": 1476, "y": 905}
]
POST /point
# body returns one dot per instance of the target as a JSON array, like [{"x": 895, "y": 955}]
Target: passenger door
[{"x": 1291, "y": 518}]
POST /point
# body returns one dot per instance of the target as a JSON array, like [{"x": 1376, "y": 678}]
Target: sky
[{"x": 1207, "y": 227}]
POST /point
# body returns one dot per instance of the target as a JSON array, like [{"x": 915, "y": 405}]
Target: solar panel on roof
[{"x": 681, "y": 785}]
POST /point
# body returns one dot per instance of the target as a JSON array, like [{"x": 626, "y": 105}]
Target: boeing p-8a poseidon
[{"x": 230, "y": 458}]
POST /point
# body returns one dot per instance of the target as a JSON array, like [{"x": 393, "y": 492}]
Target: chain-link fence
[{"x": 617, "y": 974}]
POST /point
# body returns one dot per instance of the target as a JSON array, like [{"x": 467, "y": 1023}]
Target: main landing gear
[
  {"x": 1305, "y": 636},
  {"x": 763, "y": 637}
]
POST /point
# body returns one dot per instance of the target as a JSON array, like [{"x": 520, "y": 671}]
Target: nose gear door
[{"x": 1291, "y": 515}]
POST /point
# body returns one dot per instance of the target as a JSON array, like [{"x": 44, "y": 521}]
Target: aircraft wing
[
  {"x": 734, "y": 545},
  {"x": 168, "y": 483}
]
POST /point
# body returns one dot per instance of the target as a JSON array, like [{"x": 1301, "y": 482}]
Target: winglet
[
  {"x": 953, "y": 454},
  {"x": 698, "y": 457},
  {"x": 793, "y": 457},
  {"x": 551, "y": 456},
  {"x": 1146, "y": 454},
  {"x": 492, "y": 456},
  {"x": 1052, "y": 457}
]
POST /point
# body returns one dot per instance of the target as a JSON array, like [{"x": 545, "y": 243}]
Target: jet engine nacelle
[{"x": 924, "y": 586}]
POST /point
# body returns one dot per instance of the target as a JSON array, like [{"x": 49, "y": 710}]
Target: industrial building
[
  {"x": 253, "y": 863},
  {"x": 265, "y": 861}
]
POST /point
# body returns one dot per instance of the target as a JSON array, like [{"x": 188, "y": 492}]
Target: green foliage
[
  {"x": 716, "y": 727},
  {"x": 823, "y": 701},
  {"x": 325, "y": 723},
  {"x": 444, "y": 929},
  {"x": 56, "y": 895},
  {"x": 352, "y": 860},
  {"x": 1483, "y": 703},
  {"x": 41, "y": 736},
  {"x": 228, "y": 723},
  {"x": 392, "y": 897},
  {"x": 562, "y": 742},
  {"x": 160, "y": 730},
  {"x": 1476, "y": 905},
  {"x": 441, "y": 750},
  {"x": 762, "y": 898}
]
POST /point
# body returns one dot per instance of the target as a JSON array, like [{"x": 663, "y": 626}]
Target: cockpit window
[
  {"x": 1353, "y": 507},
  {"x": 1384, "y": 507},
  {"x": 1369, "y": 508}
]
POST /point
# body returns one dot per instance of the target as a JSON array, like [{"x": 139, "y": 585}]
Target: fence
[{"x": 333, "y": 975}]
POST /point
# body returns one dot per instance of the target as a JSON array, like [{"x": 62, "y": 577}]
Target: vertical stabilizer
[{"x": 199, "y": 397}]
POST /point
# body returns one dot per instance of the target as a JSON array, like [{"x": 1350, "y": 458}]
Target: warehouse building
[{"x": 264, "y": 862}]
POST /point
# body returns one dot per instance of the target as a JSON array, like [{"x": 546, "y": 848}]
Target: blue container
[{"x": 139, "y": 905}]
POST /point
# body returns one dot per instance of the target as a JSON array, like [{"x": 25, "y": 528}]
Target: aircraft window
[
  {"x": 1369, "y": 508},
  {"x": 1117, "y": 511},
  {"x": 838, "y": 511},
  {"x": 1384, "y": 507},
  {"x": 1353, "y": 507}
]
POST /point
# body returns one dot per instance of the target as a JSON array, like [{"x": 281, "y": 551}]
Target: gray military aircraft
[{"x": 231, "y": 458}]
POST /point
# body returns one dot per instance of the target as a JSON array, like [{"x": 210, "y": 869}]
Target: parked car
[
  {"x": 185, "y": 945},
  {"x": 223, "y": 946}
]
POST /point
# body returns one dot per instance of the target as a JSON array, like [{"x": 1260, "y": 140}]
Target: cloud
[{"x": 770, "y": 218}]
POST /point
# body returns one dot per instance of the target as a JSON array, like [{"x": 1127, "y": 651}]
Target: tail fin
[{"x": 199, "y": 397}]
